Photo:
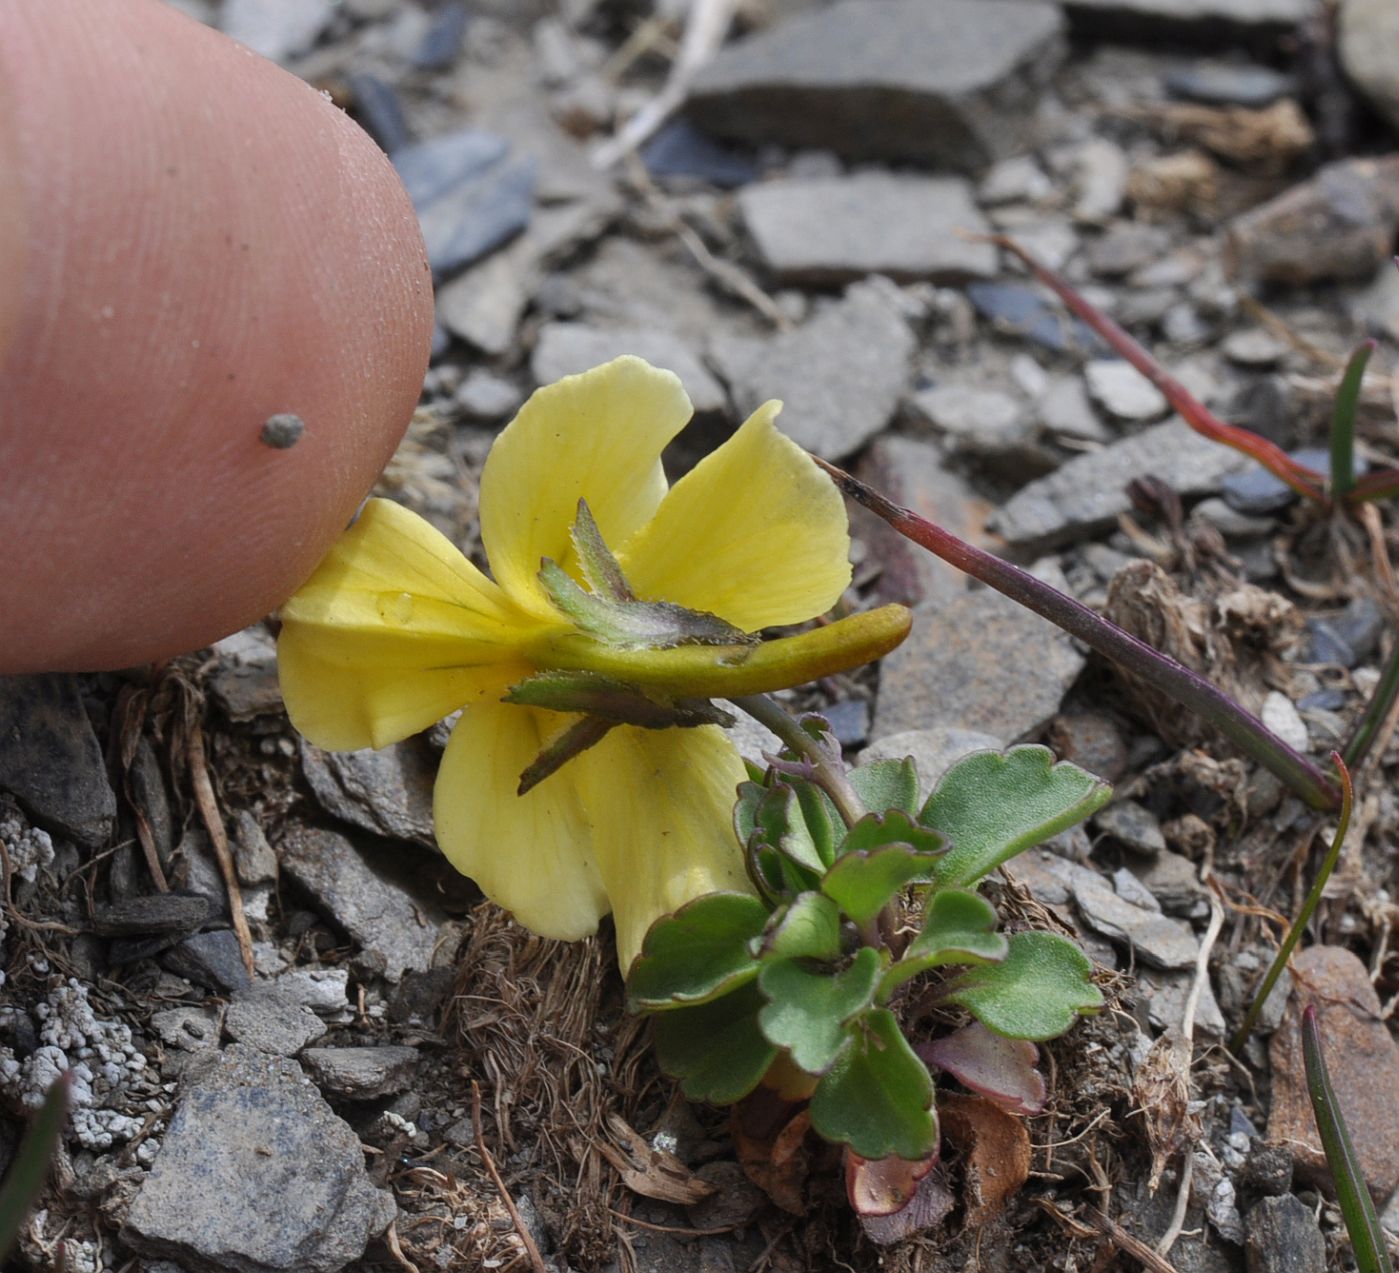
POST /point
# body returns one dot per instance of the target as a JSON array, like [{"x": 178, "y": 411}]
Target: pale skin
[{"x": 191, "y": 240}]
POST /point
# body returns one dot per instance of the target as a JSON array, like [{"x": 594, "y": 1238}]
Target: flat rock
[
  {"x": 256, "y": 1174},
  {"x": 1361, "y": 1057},
  {"x": 1066, "y": 411},
  {"x": 1123, "y": 392},
  {"x": 1132, "y": 825},
  {"x": 376, "y": 911},
  {"x": 278, "y": 29},
  {"x": 1015, "y": 309},
  {"x": 949, "y": 83},
  {"x": 1088, "y": 493},
  {"x": 361, "y": 1074},
  {"x": 987, "y": 423},
  {"x": 244, "y": 678},
  {"x": 155, "y": 913},
  {"x": 1368, "y": 45},
  {"x": 564, "y": 349},
  {"x": 914, "y": 473},
  {"x": 1283, "y": 1237},
  {"x": 50, "y": 760},
  {"x": 211, "y": 959},
  {"x": 837, "y": 229},
  {"x": 933, "y": 751},
  {"x": 388, "y": 791},
  {"x": 271, "y": 1022},
  {"x": 981, "y": 663},
  {"x": 841, "y": 374},
  {"x": 1156, "y": 939}
]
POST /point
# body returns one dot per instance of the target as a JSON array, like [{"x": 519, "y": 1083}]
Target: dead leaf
[
  {"x": 772, "y": 1147},
  {"x": 995, "y": 1150},
  {"x": 653, "y": 1173},
  {"x": 930, "y": 1206},
  {"x": 1161, "y": 1090},
  {"x": 882, "y": 1186}
]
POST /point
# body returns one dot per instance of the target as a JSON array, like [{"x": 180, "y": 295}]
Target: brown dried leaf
[
  {"x": 995, "y": 1149},
  {"x": 882, "y": 1186},
  {"x": 1161, "y": 1090},
  {"x": 929, "y": 1207},
  {"x": 653, "y": 1173},
  {"x": 772, "y": 1147}
]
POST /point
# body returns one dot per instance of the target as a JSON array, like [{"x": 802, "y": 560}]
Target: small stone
[
  {"x": 158, "y": 913},
  {"x": 441, "y": 42},
  {"x": 361, "y": 1074},
  {"x": 1283, "y": 1237},
  {"x": 1361, "y": 1057},
  {"x": 934, "y": 751},
  {"x": 1166, "y": 996},
  {"x": 1127, "y": 246},
  {"x": 1133, "y": 826},
  {"x": 1268, "y": 1169},
  {"x": 1280, "y": 715},
  {"x": 981, "y": 662},
  {"x": 849, "y": 720},
  {"x": 1256, "y": 491},
  {"x": 981, "y": 422},
  {"x": 1123, "y": 392},
  {"x": 1019, "y": 179},
  {"x": 1092, "y": 741},
  {"x": 1173, "y": 881},
  {"x": 841, "y": 374},
  {"x": 388, "y": 792},
  {"x": 838, "y": 229},
  {"x": 1229, "y": 522},
  {"x": 212, "y": 960},
  {"x": 946, "y": 83},
  {"x": 1368, "y": 45},
  {"x": 1361, "y": 625},
  {"x": 483, "y": 305},
  {"x": 375, "y": 910},
  {"x": 190, "y": 1028},
  {"x": 682, "y": 150},
  {"x": 1014, "y": 309},
  {"x": 378, "y": 111},
  {"x": 323, "y": 990},
  {"x": 244, "y": 680},
  {"x": 1066, "y": 411},
  {"x": 565, "y": 349},
  {"x": 278, "y": 29},
  {"x": 253, "y": 858},
  {"x": 1230, "y": 84},
  {"x": 1254, "y": 347},
  {"x": 1155, "y": 938},
  {"x": 265, "y": 1020},
  {"x": 487, "y": 398},
  {"x": 1088, "y": 493},
  {"x": 1100, "y": 176},
  {"x": 282, "y": 1184},
  {"x": 281, "y": 431},
  {"x": 50, "y": 760}
]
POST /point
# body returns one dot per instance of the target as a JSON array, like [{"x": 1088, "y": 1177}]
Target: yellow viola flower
[{"x": 397, "y": 629}]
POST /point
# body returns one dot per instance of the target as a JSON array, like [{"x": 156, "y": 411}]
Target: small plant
[{"x": 795, "y": 985}]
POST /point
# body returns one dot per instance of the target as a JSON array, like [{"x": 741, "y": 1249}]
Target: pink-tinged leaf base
[{"x": 1002, "y": 1070}]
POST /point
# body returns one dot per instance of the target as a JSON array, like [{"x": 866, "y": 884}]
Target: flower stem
[
  {"x": 1376, "y": 712},
  {"x": 826, "y": 772},
  {"x": 1133, "y": 655},
  {"x": 1299, "y": 924},
  {"x": 1343, "y": 423}
]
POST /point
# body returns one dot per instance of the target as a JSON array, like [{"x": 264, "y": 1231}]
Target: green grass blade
[
  {"x": 1343, "y": 423},
  {"x": 1357, "y": 1208},
  {"x": 27, "y": 1173}
]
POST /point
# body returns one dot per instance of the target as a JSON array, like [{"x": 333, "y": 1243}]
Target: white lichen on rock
[
  {"x": 100, "y": 1055},
  {"x": 29, "y": 849}
]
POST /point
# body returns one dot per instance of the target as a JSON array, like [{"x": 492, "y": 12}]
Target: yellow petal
[
  {"x": 531, "y": 853},
  {"x": 343, "y": 707},
  {"x": 394, "y": 630},
  {"x": 596, "y": 436},
  {"x": 755, "y": 533},
  {"x": 661, "y": 805}
]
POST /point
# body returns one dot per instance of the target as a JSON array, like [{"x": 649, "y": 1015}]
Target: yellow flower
[{"x": 396, "y": 629}]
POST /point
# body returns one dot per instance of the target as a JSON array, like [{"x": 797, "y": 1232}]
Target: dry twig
[
  {"x": 218, "y": 836},
  {"x": 526, "y": 1237}
]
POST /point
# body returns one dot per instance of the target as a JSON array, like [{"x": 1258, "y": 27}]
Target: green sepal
[
  {"x": 699, "y": 953},
  {"x": 716, "y": 1050},
  {"x": 878, "y": 1096},
  {"x": 1035, "y": 992},
  {"x": 808, "y": 928},
  {"x": 959, "y": 927},
  {"x": 887, "y": 784},
  {"x": 808, "y": 1011},
  {"x": 993, "y": 805},
  {"x": 563, "y": 690}
]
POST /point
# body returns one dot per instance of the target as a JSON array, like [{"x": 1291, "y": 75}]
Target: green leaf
[
  {"x": 877, "y": 860},
  {"x": 781, "y": 825},
  {"x": 808, "y": 928},
  {"x": 878, "y": 1097},
  {"x": 716, "y": 1050},
  {"x": 887, "y": 784},
  {"x": 822, "y": 821},
  {"x": 993, "y": 805},
  {"x": 959, "y": 927},
  {"x": 25, "y": 1179},
  {"x": 808, "y": 1011},
  {"x": 699, "y": 953},
  {"x": 1044, "y": 982}
]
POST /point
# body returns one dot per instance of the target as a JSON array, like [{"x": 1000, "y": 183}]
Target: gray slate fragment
[
  {"x": 1088, "y": 492},
  {"x": 1157, "y": 939},
  {"x": 361, "y": 1074},
  {"x": 50, "y": 760},
  {"x": 212, "y": 960},
  {"x": 278, "y": 29},
  {"x": 156, "y": 913},
  {"x": 1368, "y": 44},
  {"x": 976, "y": 421},
  {"x": 837, "y": 229},
  {"x": 565, "y": 349},
  {"x": 244, "y": 681},
  {"x": 270, "y": 1022},
  {"x": 841, "y": 374},
  {"x": 951, "y": 83},
  {"x": 981, "y": 663},
  {"x": 1123, "y": 392},
  {"x": 256, "y": 1175},
  {"x": 375, "y": 910},
  {"x": 1283, "y": 1237},
  {"x": 388, "y": 791},
  {"x": 253, "y": 857},
  {"x": 1132, "y": 825}
]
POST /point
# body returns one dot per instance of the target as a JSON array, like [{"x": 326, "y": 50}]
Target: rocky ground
[{"x": 403, "y": 1066}]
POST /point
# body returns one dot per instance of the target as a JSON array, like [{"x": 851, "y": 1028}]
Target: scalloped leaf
[
  {"x": 1000, "y": 1069},
  {"x": 781, "y": 825},
  {"x": 808, "y": 928},
  {"x": 993, "y": 805},
  {"x": 1036, "y": 992},
  {"x": 822, "y": 820},
  {"x": 887, "y": 784},
  {"x": 809, "y": 1011},
  {"x": 878, "y": 1097},
  {"x": 716, "y": 1050},
  {"x": 863, "y": 880},
  {"x": 702, "y": 951},
  {"x": 959, "y": 927}
]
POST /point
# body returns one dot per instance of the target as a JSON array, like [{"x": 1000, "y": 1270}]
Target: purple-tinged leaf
[{"x": 1000, "y": 1069}]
